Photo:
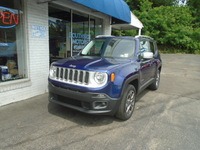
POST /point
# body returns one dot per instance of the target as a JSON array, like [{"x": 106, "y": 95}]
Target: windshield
[
  {"x": 94, "y": 48},
  {"x": 115, "y": 48}
]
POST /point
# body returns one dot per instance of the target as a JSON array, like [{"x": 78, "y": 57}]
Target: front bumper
[{"x": 91, "y": 103}]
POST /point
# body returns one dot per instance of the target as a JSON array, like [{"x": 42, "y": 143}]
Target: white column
[{"x": 107, "y": 26}]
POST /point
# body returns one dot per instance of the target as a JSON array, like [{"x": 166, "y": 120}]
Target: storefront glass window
[
  {"x": 96, "y": 27},
  {"x": 59, "y": 28},
  {"x": 92, "y": 28},
  {"x": 12, "y": 54},
  {"x": 68, "y": 35},
  {"x": 80, "y": 32}
]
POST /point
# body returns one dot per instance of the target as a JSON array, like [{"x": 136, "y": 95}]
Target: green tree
[
  {"x": 135, "y": 4},
  {"x": 171, "y": 26},
  {"x": 194, "y": 5},
  {"x": 157, "y": 3},
  {"x": 176, "y": 28}
]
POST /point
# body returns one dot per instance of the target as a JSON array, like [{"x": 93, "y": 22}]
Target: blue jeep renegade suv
[{"x": 106, "y": 76}]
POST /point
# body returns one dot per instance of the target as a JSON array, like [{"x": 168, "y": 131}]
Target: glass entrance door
[
  {"x": 59, "y": 28},
  {"x": 80, "y": 32},
  {"x": 70, "y": 31}
]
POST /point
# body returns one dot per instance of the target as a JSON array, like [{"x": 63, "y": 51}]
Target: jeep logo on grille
[{"x": 72, "y": 66}]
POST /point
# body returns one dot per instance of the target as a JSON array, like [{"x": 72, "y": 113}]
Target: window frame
[{"x": 25, "y": 81}]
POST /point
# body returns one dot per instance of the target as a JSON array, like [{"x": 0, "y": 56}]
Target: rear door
[{"x": 153, "y": 49}]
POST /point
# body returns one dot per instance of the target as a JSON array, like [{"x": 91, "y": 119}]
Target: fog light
[{"x": 100, "y": 105}]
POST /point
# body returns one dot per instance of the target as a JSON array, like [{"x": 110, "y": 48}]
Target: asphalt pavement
[{"x": 166, "y": 119}]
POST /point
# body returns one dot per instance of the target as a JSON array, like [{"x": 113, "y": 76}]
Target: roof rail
[
  {"x": 144, "y": 36},
  {"x": 99, "y": 36}
]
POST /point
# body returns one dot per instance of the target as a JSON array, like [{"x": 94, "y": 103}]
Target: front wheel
[{"x": 127, "y": 104}]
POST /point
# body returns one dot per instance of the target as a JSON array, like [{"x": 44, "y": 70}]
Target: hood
[{"x": 91, "y": 63}]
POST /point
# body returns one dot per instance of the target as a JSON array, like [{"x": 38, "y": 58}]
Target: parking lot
[{"x": 166, "y": 119}]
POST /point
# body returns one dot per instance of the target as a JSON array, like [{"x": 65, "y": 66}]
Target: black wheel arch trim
[{"x": 128, "y": 81}]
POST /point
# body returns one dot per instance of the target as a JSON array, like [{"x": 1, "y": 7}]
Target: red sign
[{"x": 8, "y": 18}]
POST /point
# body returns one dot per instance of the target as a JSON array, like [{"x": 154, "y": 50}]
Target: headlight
[
  {"x": 100, "y": 77},
  {"x": 52, "y": 72}
]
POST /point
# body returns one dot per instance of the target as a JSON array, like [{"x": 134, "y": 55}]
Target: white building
[{"x": 34, "y": 33}]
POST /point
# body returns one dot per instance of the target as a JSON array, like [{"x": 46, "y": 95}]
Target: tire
[
  {"x": 127, "y": 104},
  {"x": 155, "y": 84}
]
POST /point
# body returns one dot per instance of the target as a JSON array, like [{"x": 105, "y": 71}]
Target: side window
[
  {"x": 145, "y": 46},
  {"x": 152, "y": 47}
]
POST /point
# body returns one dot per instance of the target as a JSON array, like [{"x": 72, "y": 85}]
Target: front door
[{"x": 146, "y": 64}]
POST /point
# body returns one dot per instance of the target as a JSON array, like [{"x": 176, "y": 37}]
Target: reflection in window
[
  {"x": 96, "y": 27},
  {"x": 12, "y": 54},
  {"x": 144, "y": 46},
  {"x": 66, "y": 40},
  {"x": 94, "y": 48},
  {"x": 80, "y": 32},
  {"x": 120, "y": 48},
  {"x": 116, "y": 48},
  {"x": 59, "y": 29}
]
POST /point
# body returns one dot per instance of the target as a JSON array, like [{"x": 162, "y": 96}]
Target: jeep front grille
[
  {"x": 72, "y": 76},
  {"x": 77, "y": 77}
]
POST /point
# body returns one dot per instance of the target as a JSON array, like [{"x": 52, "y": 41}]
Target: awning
[
  {"x": 135, "y": 23},
  {"x": 115, "y": 8}
]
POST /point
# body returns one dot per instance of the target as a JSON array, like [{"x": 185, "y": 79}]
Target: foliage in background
[
  {"x": 124, "y": 32},
  {"x": 171, "y": 26},
  {"x": 176, "y": 28},
  {"x": 135, "y": 4},
  {"x": 194, "y": 6}
]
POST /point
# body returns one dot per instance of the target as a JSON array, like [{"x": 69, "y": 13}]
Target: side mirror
[{"x": 147, "y": 55}]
